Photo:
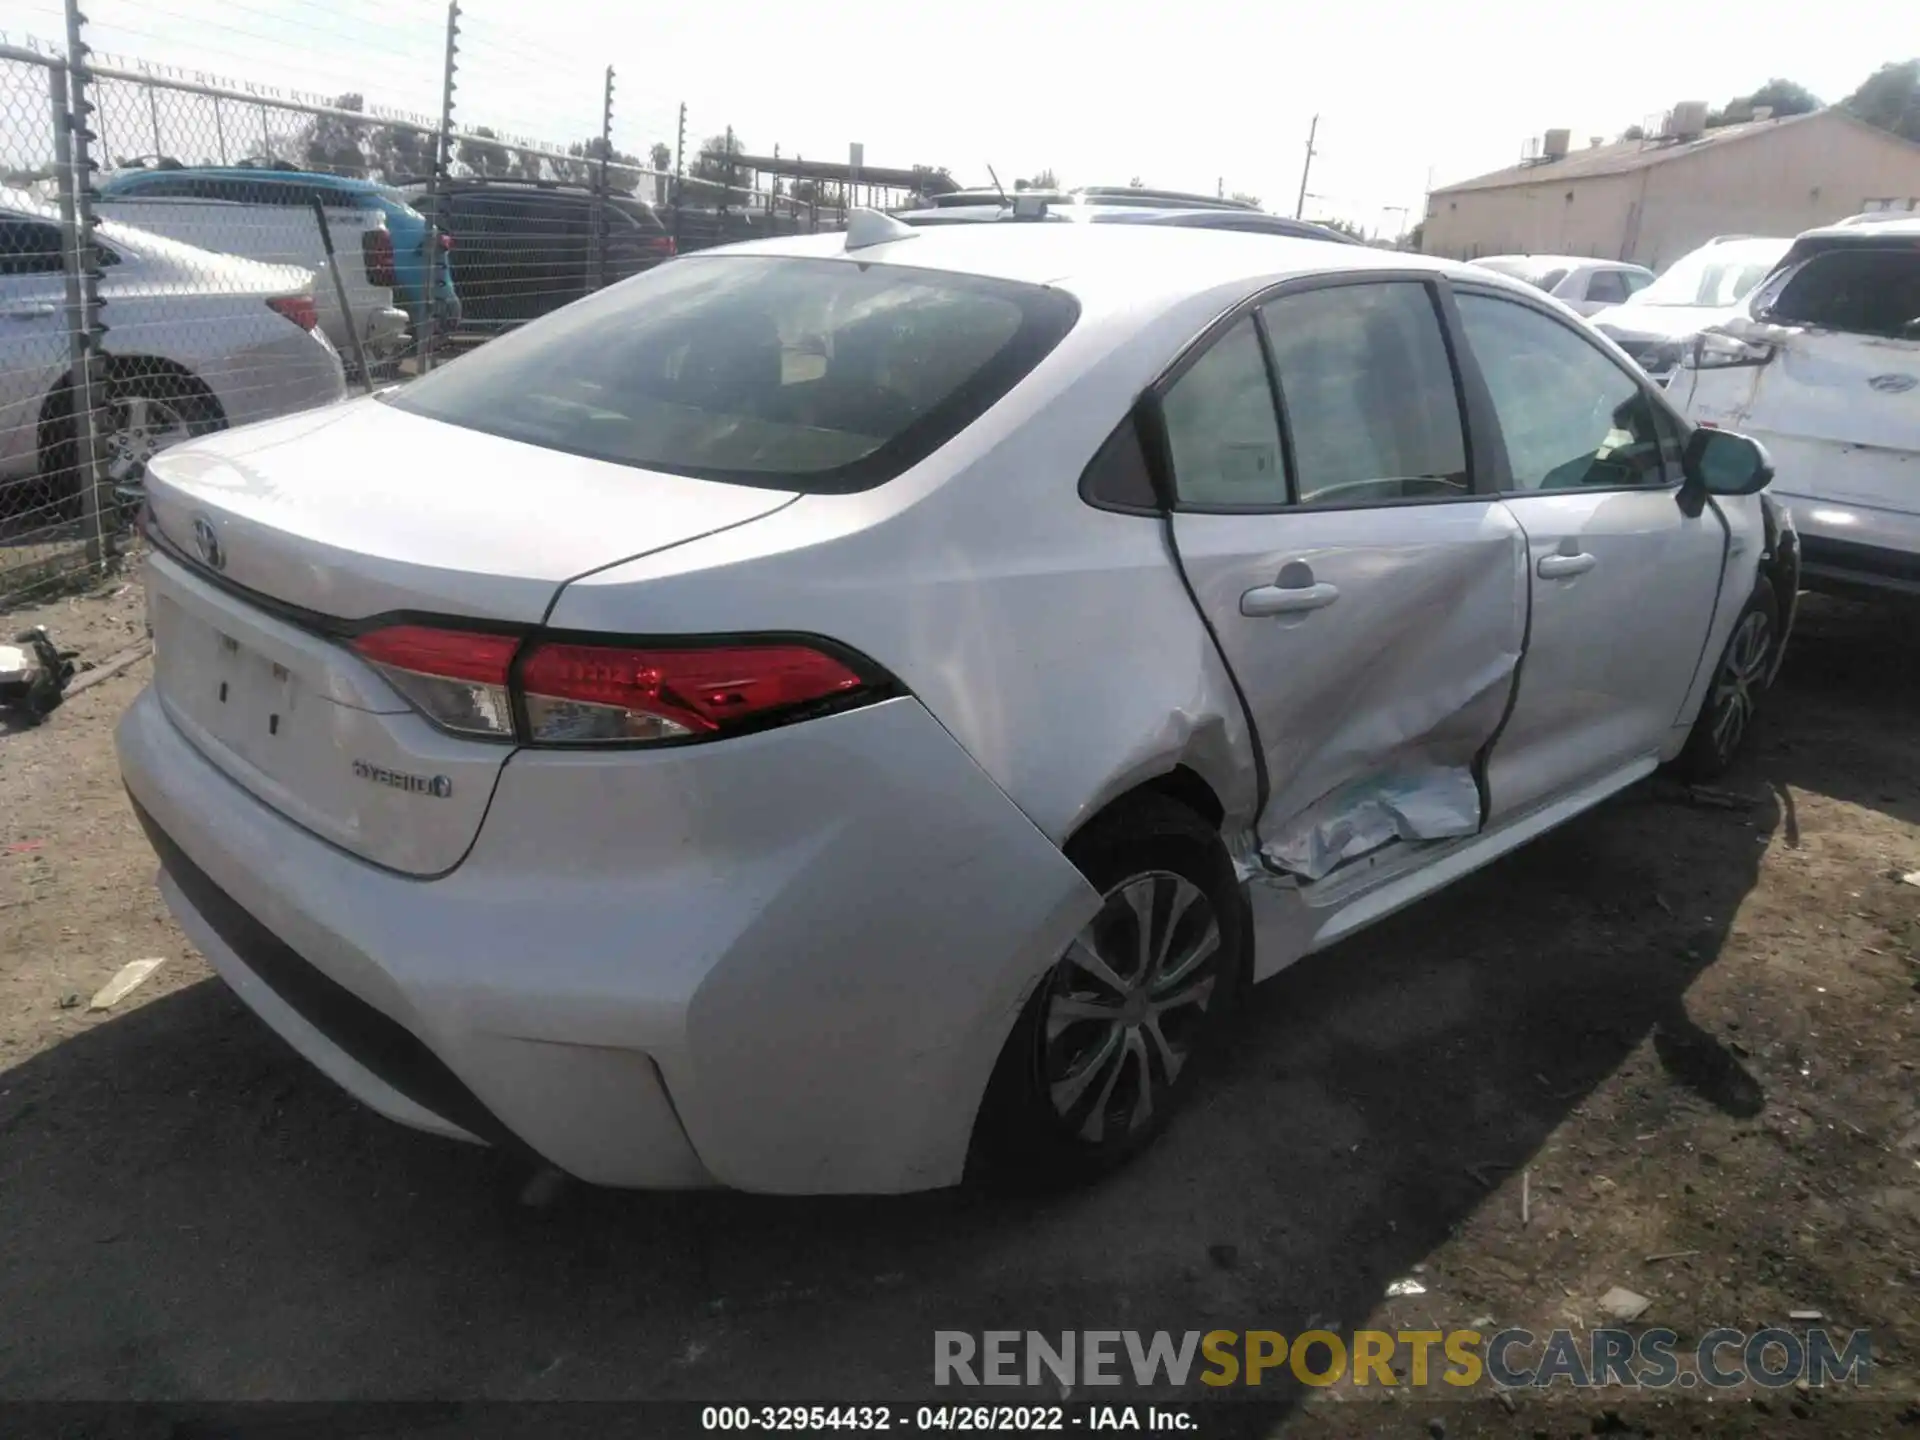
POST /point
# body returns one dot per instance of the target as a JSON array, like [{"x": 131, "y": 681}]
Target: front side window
[
  {"x": 1221, "y": 428},
  {"x": 817, "y": 375},
  {"x": 1371, "y": 404},
  {"x": 1858, "y": 290},
  {"x": 1570, "y": 416}
]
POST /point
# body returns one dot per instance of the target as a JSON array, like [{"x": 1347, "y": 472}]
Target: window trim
[
  {"x": 1159, "y": 450},
  {"x": 1656, "y": 397}
]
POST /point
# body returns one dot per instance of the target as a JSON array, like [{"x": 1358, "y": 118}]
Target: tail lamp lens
[
  {"x": 300, "y": 309},
  {"x": 599, "y": 694},
  {"x": 456, "y": 678},
  {"x": 376, "y": 249}
]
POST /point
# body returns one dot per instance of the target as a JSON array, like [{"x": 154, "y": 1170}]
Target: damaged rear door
[{"x": 1371, "y": 603}]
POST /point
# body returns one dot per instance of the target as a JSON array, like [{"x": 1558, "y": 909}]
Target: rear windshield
[
  {"x": 799, "y": 374},
  {"x": 1863, "y": 291}
]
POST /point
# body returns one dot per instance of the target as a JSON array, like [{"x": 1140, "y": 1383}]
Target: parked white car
[
  {"x": 1583, "y": 284},
  {"x": 1656, "y": 325},
  {"x": 1823, "y": 364},
  {"x": 195, "y": 342},
  {"x": 276, "y": 226},
  {"x": 833, "y": 708}
]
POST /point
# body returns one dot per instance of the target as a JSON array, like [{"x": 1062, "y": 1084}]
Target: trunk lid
[
  {"x": 360, "y": 509},
  {"x": 276, "y": 539}
]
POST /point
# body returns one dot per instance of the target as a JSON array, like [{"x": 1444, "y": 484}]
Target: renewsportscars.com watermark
[{"x": 1515, "y": 1359}]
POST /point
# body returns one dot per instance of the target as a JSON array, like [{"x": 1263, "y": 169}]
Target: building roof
[{"x": 1623, "y": 156}]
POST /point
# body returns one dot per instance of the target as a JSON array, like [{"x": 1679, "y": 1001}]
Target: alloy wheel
[
  {"x": 1125, "y": 1004},
  {"x": 1742, "y": 674},
  {"x": 138, "y": 428}
]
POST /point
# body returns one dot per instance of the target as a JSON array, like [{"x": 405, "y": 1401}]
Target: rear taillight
[
  {"x": 583, "y": 694},
  {"x": 661, "y": 245},
  {"x": 446, "y": 242},
  {"x": 376, "y": 249},
  {"x": 456, "y": 678},
  {"x": 300, "y": 309}
]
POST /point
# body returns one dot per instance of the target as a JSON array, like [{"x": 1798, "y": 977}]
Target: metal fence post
[
  {"x": 679, "y": 170},
  {"x": 442, "y": 144},
  {"x": 73, "y": 158},
  {"x": 601, "y": 186}
]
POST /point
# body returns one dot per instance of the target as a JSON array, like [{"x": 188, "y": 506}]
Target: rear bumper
[
  {"x": 1853, "y": 549},
  {"x": 786, "y": 963}
]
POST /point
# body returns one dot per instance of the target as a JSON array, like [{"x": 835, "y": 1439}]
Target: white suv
[{"x": 1823, "y": 367}]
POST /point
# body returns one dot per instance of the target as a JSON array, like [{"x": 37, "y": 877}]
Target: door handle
[
  {"x": 1563, "y": 567},
  {"x": 28, "y": 310},
  {"x": 1288, "y": 599}
]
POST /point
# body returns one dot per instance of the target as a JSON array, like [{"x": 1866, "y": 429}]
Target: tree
[
  {"x": 1242, "y": 197},
  {"x": 1890, "y": 98},
  {"x": 1634, "y": 132},
  {"x": 482, "y": 157},
  {"x": 661, "y": 155},
  {"x": 1345, "y": 227},
  {"x": 1043, "y": 180},
  {"x": 395, "y": 154},
  {"x": 1783, "y": 97},
  {"x": 333, "y": 145},
  {"x": 716, "y": 161}
]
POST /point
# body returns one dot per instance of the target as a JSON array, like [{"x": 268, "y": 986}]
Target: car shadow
[
  {"x": 191, "y": 1211},
  {"x": 1851, "y": 683}
]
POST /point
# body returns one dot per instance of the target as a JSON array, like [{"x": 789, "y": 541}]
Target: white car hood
[{"x": 1660, "y": 322}]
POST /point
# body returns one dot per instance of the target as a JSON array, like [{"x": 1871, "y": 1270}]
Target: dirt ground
[{"x": 1688, "y": 1030}]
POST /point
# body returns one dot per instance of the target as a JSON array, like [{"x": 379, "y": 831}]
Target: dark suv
[{"x": 522, "y": 248}]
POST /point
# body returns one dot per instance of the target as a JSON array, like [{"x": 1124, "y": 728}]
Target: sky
[{"x": 1192, "y": 95}]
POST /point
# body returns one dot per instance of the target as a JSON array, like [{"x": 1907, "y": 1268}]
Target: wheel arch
[{"x": 56, "y": 408}]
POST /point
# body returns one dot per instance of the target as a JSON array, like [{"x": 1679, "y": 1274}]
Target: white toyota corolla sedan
[{"x": 832, "y": 713}]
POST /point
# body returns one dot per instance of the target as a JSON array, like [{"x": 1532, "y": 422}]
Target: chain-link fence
[{"x": 182, "y": 253}]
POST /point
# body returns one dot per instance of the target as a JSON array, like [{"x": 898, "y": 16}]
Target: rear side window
[
  {"x": 1860, "y": 291},
  {"x": 817, "y": 375},
  {"x": 1221, "y": 429},
  {"x": 1369, "y": 392},
  {"x": 1606, "y": 287}
]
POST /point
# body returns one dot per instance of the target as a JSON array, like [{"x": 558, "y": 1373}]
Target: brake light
[
  {"x": 446, "y": 241},
  {"x": 662, "y": 245},
  {"x": 376, "y": 249},
  {"x": 579, "y": 694},
  {"x": 300, "y": 309},
  {"x": 456, "y": 678}
]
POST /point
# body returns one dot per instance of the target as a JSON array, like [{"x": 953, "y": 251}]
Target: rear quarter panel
[{"x": 1054, "y": 641}]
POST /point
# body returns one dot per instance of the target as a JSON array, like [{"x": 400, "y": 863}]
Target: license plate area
[{"x": 249, "y": 703}]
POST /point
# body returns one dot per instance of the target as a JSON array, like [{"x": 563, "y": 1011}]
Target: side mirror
[{"x": 1720, "y": 462}]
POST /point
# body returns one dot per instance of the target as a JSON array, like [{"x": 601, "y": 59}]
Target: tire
[
  {"x": 134, "y": 388},
  {"x": 1740, "y": 678},
  {"x": 1095, "y": 1067}
]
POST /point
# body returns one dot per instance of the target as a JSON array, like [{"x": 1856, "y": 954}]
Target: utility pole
[{"x": 1300, "y": 206}]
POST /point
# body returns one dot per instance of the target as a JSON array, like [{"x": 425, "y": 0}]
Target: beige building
[{"x": 1651, "y": 201}]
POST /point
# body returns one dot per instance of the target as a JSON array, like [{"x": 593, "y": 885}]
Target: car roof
[
  {"x": 1865, "y": 230},
  {"x": 1568, "y": 260},
  {"x": 260, "y": 173},
  {"x": 1113, "y": 266}
]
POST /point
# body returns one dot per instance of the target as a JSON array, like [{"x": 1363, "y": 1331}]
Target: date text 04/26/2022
[{"x": 978, "y": 1419}]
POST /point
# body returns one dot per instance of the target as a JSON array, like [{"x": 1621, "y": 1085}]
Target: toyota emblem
[{"x": 207, "y": 542}]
